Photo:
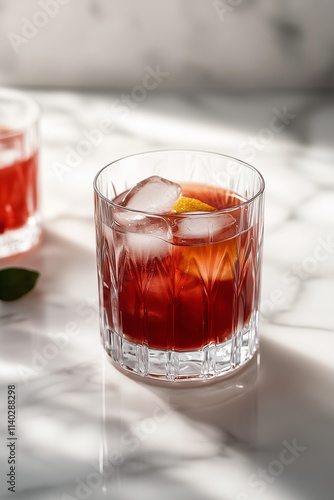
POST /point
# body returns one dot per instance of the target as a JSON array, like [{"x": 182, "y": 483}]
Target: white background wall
[{"x": 204, "y": 43}]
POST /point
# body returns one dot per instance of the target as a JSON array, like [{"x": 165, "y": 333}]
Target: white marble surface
[{"x": 77, "y": 414}]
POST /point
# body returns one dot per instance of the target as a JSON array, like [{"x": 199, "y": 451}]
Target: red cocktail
[
  {"x": 18, "y": 190},
  {"x": 179, "y": 292},
  {"x": 19, "y": 219},
  {"x": 186, "y": 297}
]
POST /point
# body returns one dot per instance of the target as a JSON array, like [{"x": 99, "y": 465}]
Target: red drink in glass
[
  {"x": 179, "y": 289},
  {"x": 195, "y": 293},
  {"x": 19, "y": 218},
  {"x": 18, "y": 191}
]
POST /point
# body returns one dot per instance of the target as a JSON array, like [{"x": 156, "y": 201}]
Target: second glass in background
[{"x": 20, "y": 225}]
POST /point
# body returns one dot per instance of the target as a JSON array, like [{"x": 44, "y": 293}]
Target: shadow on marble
[{"x": 291, "y": 402}]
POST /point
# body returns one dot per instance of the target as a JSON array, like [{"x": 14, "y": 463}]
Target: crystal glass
[
  {"x": 179, "y": 292},
  {"x": 20, "y": 227}
]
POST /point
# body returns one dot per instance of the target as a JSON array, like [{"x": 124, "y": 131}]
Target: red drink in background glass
[
  {"x": 20, "y": 227},
  {"x": 18, "y": 186}
]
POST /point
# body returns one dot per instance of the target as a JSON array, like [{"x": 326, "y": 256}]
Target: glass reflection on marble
[{"x": 156, "y": 436}]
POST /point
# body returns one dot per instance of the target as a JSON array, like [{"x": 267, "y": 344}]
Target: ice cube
[
  {"x": 147, "y": 246},
  {"x": 126, "y": 219},
  {"x": 147, "y": 234},
  {"x": 154, "y": 195},
  {"x": 201, "y": 228},
  {"x": 142, "y": 244}
]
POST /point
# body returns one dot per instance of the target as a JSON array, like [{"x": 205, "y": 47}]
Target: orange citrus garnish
[{"x": 185, "y": 204}]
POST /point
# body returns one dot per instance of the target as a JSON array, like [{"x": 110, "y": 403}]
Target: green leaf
[{"x": 16, "y": 282}]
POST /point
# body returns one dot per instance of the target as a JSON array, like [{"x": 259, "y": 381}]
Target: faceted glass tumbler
[
  {"x": 179, "y": 293},
  {"x": 20, "y": 226}
]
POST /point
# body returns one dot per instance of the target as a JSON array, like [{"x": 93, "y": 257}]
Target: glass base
[
  {"x": 22, "y": 239},
  {"x": 214, "y": 360}
]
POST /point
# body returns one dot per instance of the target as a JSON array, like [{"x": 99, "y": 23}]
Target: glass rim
[
  {"x": 34, "y": 110},
  {"x": 185, "y": 214}
]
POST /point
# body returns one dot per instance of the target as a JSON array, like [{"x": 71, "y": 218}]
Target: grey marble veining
[{"x": 86, "y": 430}]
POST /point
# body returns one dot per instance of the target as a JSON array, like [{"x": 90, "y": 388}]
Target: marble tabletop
[{"x": 85, "y": 430}]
